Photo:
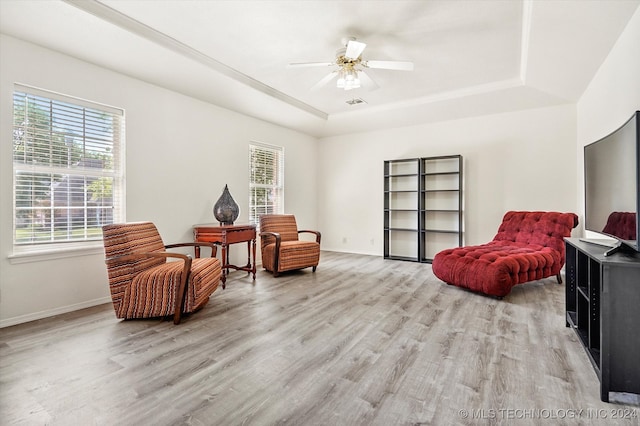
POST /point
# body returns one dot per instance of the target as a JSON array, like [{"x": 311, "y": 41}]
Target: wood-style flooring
[{"x": 363, "y": 341}]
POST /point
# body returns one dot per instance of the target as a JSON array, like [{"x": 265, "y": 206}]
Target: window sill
[{"x": 52, "y": 253}]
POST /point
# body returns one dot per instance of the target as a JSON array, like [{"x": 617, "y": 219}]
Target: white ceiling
[{"x": 472, "y": 57}]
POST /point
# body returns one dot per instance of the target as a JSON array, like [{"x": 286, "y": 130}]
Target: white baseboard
[
  {"x": 339, "y": 250},
  {"x": 52, "y": 312}
]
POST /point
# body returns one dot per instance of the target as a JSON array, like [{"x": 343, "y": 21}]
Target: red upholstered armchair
[
  {"x": 282, "y": 250},
  {"x": 621, "y": 225},
  {"x": 144, "y": 285},
  {"x": 528, "y": 246}
]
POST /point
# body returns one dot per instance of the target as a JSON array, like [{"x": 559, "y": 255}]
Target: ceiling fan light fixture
[{"x": 348, "y": 79}]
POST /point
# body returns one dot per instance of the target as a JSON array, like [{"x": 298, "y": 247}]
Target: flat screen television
[{"x": 612, "y": 182}]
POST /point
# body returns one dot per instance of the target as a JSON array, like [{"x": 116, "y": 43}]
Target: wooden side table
[{"x": 226, "y": 235}]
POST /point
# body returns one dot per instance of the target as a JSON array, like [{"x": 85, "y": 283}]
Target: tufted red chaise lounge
[
  {"x": 622, "y": 225},
  {"x": 528, "y": 246}
]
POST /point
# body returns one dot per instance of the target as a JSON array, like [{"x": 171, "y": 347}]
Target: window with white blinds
[
  {"x": 266, "y": 180},
  {"x": 68, "y": 176}
]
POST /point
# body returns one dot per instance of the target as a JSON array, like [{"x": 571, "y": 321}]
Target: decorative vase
[{"x": 226, "y": 210}]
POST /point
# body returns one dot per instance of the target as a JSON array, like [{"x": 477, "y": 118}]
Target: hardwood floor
[{"x": 363, "y": 341}]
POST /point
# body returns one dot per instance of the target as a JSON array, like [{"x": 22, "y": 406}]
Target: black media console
[{"x": 603, "y": 307}]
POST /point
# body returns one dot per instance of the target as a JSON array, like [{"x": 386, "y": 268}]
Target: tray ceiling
[{"x": 471, "y": 57}]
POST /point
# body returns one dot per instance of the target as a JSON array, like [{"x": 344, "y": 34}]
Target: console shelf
[{"x": 603, "y": 307}]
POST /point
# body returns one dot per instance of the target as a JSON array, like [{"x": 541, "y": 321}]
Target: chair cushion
[
  {"x": 283, "y": 224},
  {"x": 151, "y": 293},
  {"x": 494, "y": 268},
  {"x": 293, "y": 255},
  {"x": 129, "y": 238}
]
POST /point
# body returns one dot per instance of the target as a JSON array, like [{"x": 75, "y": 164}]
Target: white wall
[
  {"x": 611, "y": 97},
  {"x": 180, "y": 154},
  {"x": 521, "y": 160}
]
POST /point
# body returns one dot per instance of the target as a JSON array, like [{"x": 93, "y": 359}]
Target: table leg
[
  {"x": 253, "y": 267},
  {"x": 225, "y": 261},
  {"x": 248, "y": 267}
]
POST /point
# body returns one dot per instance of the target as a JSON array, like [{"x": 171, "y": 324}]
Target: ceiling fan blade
[
  {"x": 325, "y": 80},
  {"x": 390, "y": 65},
  {"x": 354, "y": 49},
  {"x": 310, "y": 64},
  {"x": 367, "y": 82}
]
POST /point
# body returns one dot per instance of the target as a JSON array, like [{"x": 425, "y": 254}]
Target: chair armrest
[
  {"x": 137, "y": 256},
  {"x": 317, "y": 233},
  {"x": 275, "y": 235},
  {"x": 212, "y": 246},
  {"x": 276, "y": 250}
]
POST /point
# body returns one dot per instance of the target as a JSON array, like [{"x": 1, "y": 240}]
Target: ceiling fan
[{"x": 350, "y": 67}]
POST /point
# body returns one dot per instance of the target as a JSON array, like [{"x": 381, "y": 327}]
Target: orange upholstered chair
[
  {"x": 282, "y": 250},
  {"x": 144, "y": 285}
]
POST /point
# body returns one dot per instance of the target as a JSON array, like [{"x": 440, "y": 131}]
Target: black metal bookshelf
[{"x": 423, "y": 211}]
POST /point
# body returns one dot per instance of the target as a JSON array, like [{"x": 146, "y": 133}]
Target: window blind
[
  {"x": 68, "y": 160},
  {"x": 266, "y": 181}
]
